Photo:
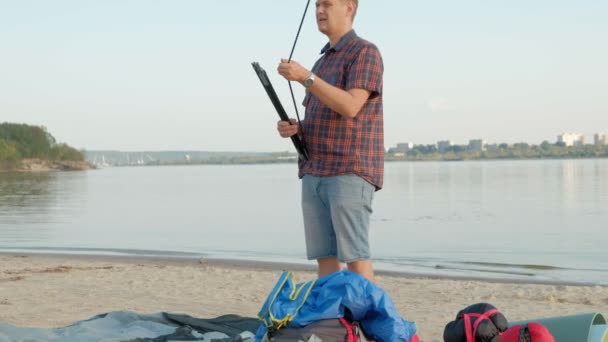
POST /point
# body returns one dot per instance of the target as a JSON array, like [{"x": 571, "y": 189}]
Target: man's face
[{"x": 333, "y": 15}]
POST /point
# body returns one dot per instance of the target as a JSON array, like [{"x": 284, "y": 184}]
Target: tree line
[{"x": 22, "y": 141}]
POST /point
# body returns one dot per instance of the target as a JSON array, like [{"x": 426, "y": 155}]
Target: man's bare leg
[
  {"x": 328, "y": 266},
  {"x": 364, "y": 268}
]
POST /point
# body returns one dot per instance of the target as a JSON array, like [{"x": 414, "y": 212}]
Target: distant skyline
[
  {"x": 176, "y": 75},
  {"x": 588, "y": 139}
]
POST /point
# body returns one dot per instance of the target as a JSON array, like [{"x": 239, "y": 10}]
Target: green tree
[
  {"x": 545, "y": 145},
  {"x": 8, "y": 151},
  {"x": 18, "y": 141}
]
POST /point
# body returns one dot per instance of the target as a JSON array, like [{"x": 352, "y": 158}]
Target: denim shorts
[{"x": 336, "y": 217}]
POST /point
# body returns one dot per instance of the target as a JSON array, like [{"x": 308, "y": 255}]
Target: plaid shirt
[{"x": 339, "y": 145}]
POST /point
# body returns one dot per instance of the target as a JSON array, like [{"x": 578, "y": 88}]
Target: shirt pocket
[{"x": 333, "y": 78}]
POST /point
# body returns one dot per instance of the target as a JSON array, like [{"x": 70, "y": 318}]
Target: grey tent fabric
[{"x": 126, "y": 326}]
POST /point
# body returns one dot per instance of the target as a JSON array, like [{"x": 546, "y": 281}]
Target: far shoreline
[
  {"x": 387, "y": 160},
  {"x": 254, "y": 265},
  {"x": 42, "y": 165}
]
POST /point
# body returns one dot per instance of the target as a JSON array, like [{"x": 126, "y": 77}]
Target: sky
[{"x": 176, "y": 75}]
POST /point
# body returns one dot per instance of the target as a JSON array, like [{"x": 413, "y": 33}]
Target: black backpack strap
[{"x": 524, "y": 333}]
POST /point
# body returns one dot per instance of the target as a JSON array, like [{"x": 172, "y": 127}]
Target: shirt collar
[{"x": 345, "y": 39}]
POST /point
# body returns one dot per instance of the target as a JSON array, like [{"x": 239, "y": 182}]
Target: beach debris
[{"x": 17, "y": 278}]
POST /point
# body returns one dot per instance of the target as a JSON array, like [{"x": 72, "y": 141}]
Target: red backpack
[{"x": 529, "y": 332}]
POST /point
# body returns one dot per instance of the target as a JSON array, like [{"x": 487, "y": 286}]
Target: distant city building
[
  {"x": 600, "y": 139},
  {"x": 477, "y": 145},
  {"x": 492, "y": 147},
  {"x": 401, "y": 149},
  {"x": 444, "y": 145},
  {"x": 571, "y": 139},
  {"x": 405, "y": 147}
]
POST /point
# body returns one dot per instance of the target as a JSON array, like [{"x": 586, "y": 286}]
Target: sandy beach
[{"x": 54, "y": 291}]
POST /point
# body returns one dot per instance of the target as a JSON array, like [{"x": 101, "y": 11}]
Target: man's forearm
[
  {"x": 347, "y": 103},
  {"x": 337, "y": 99}
]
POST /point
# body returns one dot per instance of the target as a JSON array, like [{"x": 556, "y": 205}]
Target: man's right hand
[{"x": 287, "y": 129}]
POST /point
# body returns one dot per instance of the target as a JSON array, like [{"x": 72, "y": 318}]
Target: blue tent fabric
[{"x": 332, "y": 296}]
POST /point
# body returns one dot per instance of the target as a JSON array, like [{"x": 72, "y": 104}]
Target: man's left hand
[{"x": 293, "y": 71}]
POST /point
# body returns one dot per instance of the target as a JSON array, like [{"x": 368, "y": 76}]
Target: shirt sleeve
[{"x": 366, "y": 72}]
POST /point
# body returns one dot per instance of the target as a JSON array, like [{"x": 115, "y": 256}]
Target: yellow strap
[
  {"x": 279, "y": 323},
  {"x": 267, "y": 323}
]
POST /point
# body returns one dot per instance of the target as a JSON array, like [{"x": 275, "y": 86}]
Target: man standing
[{"x": 344, "y": 133}]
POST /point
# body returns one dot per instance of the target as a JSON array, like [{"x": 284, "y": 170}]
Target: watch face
[{"x": 308, "y": 82}]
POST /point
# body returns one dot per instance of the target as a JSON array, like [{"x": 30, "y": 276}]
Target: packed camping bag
[
  {"x": 338, "y": 295},
  {"x": 328, "y": 330},
  {"x": 480, "y": 322}
]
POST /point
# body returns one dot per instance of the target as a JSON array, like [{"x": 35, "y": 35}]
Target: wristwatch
[{"x": 308, "y": 82}]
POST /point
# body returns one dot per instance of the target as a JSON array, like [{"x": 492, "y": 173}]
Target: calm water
[{"x": 533, "y": 220}]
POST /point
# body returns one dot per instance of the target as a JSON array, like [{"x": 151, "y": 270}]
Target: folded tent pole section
[{"x": 588, "y": 327}]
